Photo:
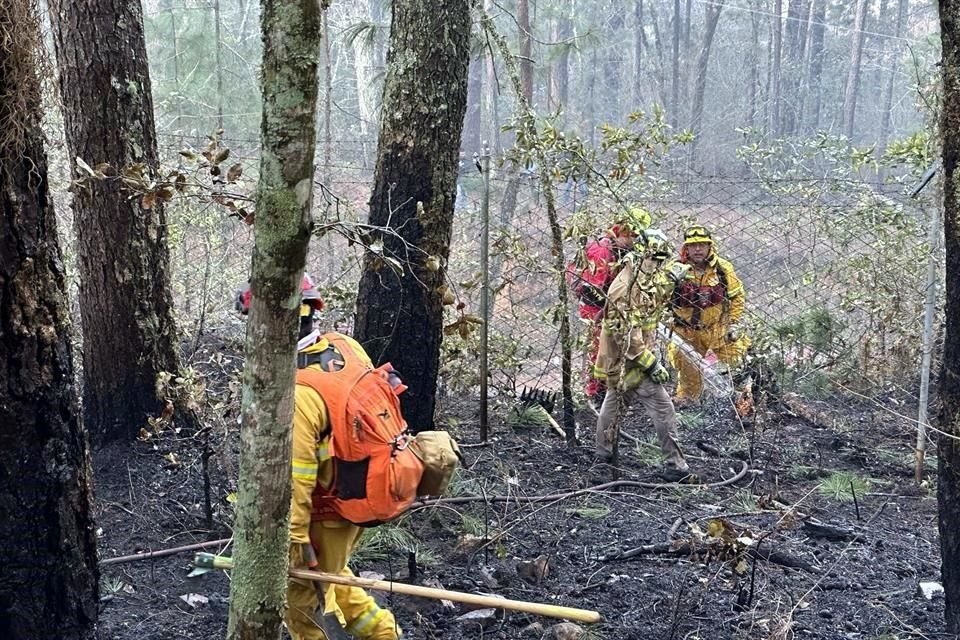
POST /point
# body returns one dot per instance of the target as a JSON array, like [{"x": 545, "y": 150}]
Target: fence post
[
  {"x": 929, "y": 311},
  {"x": 484, "y": 287}
]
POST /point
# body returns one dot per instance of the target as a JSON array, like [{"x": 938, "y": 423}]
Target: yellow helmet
[
  {"x": 634, "y": 221},
  {"x": 697, "y": 233}
]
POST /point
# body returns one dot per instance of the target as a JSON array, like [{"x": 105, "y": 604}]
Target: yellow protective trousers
[
  {"x": 356, "y": 610},
  {"x": 689, "y": 380}
]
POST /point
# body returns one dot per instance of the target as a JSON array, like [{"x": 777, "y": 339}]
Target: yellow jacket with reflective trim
[
  {"x": 310, "y": 455},
  {"x": 633, "y": 309}
]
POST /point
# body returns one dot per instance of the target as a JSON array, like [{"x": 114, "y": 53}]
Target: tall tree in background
[
  {"x": 817, "y": 54},
  {"x": 892, "y": 70},
  {"x": 48, "y": 557},
  {"x": 125, "y": 301},
  {"x": 400, "y": 317},
  {"x": 711, "y": 19},
  {"x": 526, "y": 48},
  {"x": 853, "y": 72},
  {"x": 948, "y": 458},
  {"x": 776, "y": 52},
  {"x": 291, "y": 50}
]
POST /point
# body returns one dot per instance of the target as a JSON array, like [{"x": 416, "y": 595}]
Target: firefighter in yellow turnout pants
[
  {"x": 319, "y": 539},
  {"x": 707, "y": 307}
]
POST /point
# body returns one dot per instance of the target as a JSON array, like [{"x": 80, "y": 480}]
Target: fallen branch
[
  {"x": 615, "y": 484},
  {"x": 763, "y": 552},
  {"x": 210, "y": 561}
]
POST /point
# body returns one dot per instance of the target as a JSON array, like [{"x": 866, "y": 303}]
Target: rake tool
[{"x": 547, "y": 400}]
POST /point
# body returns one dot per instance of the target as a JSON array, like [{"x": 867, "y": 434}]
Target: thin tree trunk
[
  {"x": 472, "y": 126},
  {"x": 891, "y": 78},
  {"x": 853, "y": 73},
  {"x": 817, "y": 53},
  {"x": 126, "y": 306},
  {"x": 176, "y": 64},
  {"x": 803, "y": 71},
  {"x": 675, "y": 83},
  {"x": 753, "y": 79},
  {"x": 711, "y": 19},
  {"x": 561, "y": 67},
  {"x": 327, "y": 95},
  {"x": 660, "y": 73},
  {"x": 796, "y": 12},
  {"x": 525, "y": 50},
  {"x": 613, "y": 65},
  {"x": 400, "y": 317},
  {"x": 364, "y": 67},
  {"x": 948, "y": 458},
  {"x": 218, "y": 61},
  {"x": 776, "y": 31},
  {"x": 291, "y": 49},
  {"x": 638, "y": 44},
  {"x": 49, "y": 576}
]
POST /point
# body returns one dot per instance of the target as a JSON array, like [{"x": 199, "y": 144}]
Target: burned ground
[{"x": 856, "y": 563}]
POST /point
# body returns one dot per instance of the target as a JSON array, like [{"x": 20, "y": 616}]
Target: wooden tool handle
[
  {"x": 210, "y": 561},
  {"x": 550, "y": 610}
]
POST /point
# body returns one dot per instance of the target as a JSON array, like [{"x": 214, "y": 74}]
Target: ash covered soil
[{"x": 785, "y": 551}]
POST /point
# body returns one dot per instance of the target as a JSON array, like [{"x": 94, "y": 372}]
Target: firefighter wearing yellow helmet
[
  {"x": 627, "y": 359},
  {"x": 708, "y": 304}
]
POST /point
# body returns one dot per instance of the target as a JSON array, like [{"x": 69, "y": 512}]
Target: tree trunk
[
  {"x": 776, "y": 31},
  {"x": 364, "y": 73},
  {"x": 795, "y": 36},
  {"x": 327, "y": 63},
  {"x": 817, "y": 52},
  {"x": 400, "y": 318},
  {"x": 125, "y": 301},
  {"x": 613, "y": 64},
  {"x": 561, "y": 66},
  {"x": 948, "y": 458},
  {"x": 472, "y": 126},
  {"x": 711, "y": 19},
  {"x": 675, "y": 82},
  {"x": 218, "y": 61},
  {"x": 753, "y": 78},
  {"x": 853, "y": 73},
  {"x": 291, "y": 49},
  {"x": 891, "y": 78},
  {"x": 638, "y": 44},
  {"x": 526, "y": 62},
  {"x": 49, "y": 580}
]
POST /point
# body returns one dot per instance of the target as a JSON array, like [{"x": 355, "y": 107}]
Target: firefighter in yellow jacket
[
  {"x": 707, "y": 307},
  {"x": 322, "y": 541},
  {"x": 627, "y": 361}
]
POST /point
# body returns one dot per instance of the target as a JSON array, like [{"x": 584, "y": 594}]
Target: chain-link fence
[{"x": 834, "y": 271}]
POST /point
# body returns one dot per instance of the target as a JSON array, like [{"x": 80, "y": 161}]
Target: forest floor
[{"x": 769, "y": 570}]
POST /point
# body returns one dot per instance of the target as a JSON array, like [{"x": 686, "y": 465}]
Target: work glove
[
  {"x": 303, "y": 555},
  {"x": 651, "y": 366},
  {"x": 733, "y": 333},
  {"x": 591, "y": 295}
]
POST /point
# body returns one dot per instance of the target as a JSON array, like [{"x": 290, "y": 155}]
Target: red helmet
[{"x": 308, "y": 296}]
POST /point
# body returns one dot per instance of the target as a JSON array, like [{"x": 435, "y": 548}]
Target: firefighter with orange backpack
[
  {"x": 707, "y": 307},
  {"x": 354, "y": 464}
]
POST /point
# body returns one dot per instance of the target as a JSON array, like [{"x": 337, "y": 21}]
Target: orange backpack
[{"x": 376, "y": 474}]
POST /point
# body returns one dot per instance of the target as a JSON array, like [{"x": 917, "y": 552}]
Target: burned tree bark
[
  {"x": 400, "y": 316},
  {"x": 126, "y": 306},
  {"x": 948, "y": 460},
  {"x": 48, "y": 557}
]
